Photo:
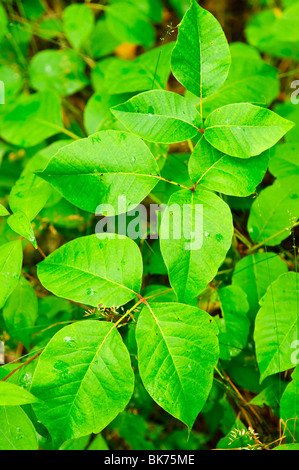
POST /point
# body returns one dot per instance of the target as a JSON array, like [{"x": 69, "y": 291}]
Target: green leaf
[
  {"x": 276, "y": 325},
  {"x": 104, "y": 269},
  {"x": 177, "y": 352},
  {"x": 97, "y": 113},
  {"x": 13, "y": 395},
  {"x": 84, "y": 377},
  {"x": 151, "y": 8},
  {"x": 32, "y": 119},
  {"x": 159, "y": 116},
  {"x": 289, "y": 408},
  {"x": 129, "y": 24},
  {"x": 228, "y": 175},
  {"x": 102, "y": 168},
  {"x": 3, "y": 22},
  {"x": 13, "y": 82},
  {"x": 244, "y": 130},
  {"x": 11, "y": 257},
  {"x": 275, "y": 211},
  {"x": 284, "y": 161},
  {"x": 98, "y": 443},
  {"x": 254, "y": 273},
  {"x": 3, "y": 211},
  {"x": 290, "y": 111},
  {"x": 62, "y": 71},
  {"x": 20, "y": 312},
  {"x": 30, "y": 193},
  {"x": 201, "y": 57},
  {"x": 249, "y": 81},
  {"x": 287, "y": 447},
  {"x": 78, "y": 22},
  {"x": 270, "y": 394},
  {"x": 275, "y": 34},
  {"x": 20, "y": 224},
  {"x": 194, "y": 256},
  {"x": 17, "y": 431},
  {"x": 234, "y": 324},
  {"x": 149, "y": 70},
  {"x": 95, "y": 43}
]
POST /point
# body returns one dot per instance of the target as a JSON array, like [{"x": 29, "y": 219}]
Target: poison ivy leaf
[
  {"x": 11, "y": 257},
  {"x": 244, "y": 130},
  {"x": 104, "y": 269},
  {"x": 17, "y": 431},
  {"x": 274, "y": 211},
  {"x": 177, "y": 352},
  {"x": 62, "y": 71},
  {"x": 276, "y": 325},
  {"x": 32, "y": 119},
  {"x": 103, "y": 168},
  {"x": 20, "y": 224},
  {"x": 284, "y": 161},
  {"x": 254, "y": 273},
  {"x": 228, "y": 175},
  {"x": 129, "y": 24},
  {"x": 20, "y": 312},
  {"x": 233, "y": 324},
  {"x": 195, "y": 235},
  {"x": 98, "y": 443},
  {"x": 84, "y": 378},
  {"x": 201, "y": 57},
  {"x": 78, "y": 22},
  {"x": 30, "y": 193},
  {"x": 159, "y": 116},
  {"x": 3, "y": 211},
  {"x": 149, "y": 70},
  {"x": 13, "y": 395},
  {"x": 249, "y": 81}
]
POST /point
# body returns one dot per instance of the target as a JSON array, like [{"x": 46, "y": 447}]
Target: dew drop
[
  {"x": 61, "y": 369},
  {"x": 69, "y": 340}
]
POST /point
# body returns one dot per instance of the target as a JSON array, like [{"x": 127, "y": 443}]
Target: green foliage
[
  {"x": 65, "y": 377},
  {"x": 180, "y": 343},
  {"x": 105, "y": 270},
  {"x": 177, "y": 334},
  {"x": 201, "y": 58},
  {"x": 159, "y": 116}
]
